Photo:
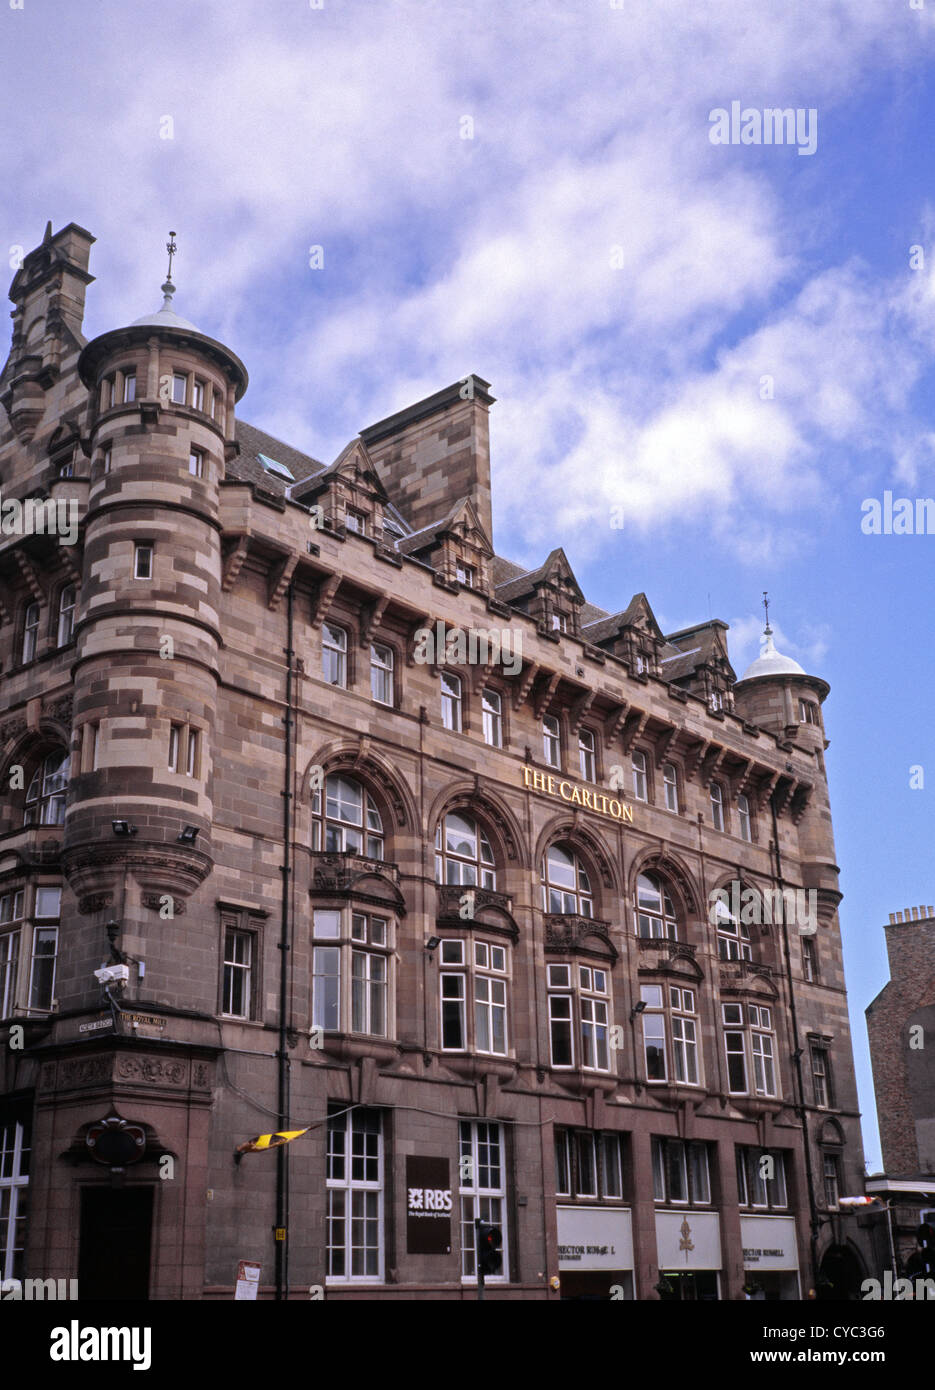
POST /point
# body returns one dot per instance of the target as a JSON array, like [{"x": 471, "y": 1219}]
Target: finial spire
[
  {"x": 767, "y": 629},
  {"x": 168, "y": 289}
]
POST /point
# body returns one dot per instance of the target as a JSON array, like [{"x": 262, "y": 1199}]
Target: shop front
[
  {"x": 688, "y": 1245},
  {"x": 770, "y": 1258},
  {"x": 595, "y": 1253}
]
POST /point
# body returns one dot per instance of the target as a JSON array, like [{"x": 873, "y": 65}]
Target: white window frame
[
  {"x": 340, "y": 938},
  {"x": 193, "y": 753},
  {"x": 37, "y": 958},
  {"x": 10, "y": 944},
  {"x": 381, "y": 674},
  {"x": 455, "y": 868},
  {"x": 66, "y": 615},
  {"x": 196, "y": 462},
  {"x": 235, "y": 969},
  {"x": 179, "y": 388},
  {"x": 576, "y": 900},
  {"x": 640, "y": 778},
  {"x": 12, "y": 1189},
  {"x": 361, "y": 1197},
  {"x": 656, "y": 921},
  {"x": 129, "y": 388},
  {"x": 820, "y": 1067},
  {"x": 716, "y": 794},
  {"x": 670, "y": 783},
  {"x": 144, "y": 555},
  {"x": 451, "y": 702},
  {"x": 582, "y": 1008},
  {"x": 587, "y": 759},
  {"x": 337, "y": 834},
  {"x": 334, "y": 642},
  {"x": 551, "y": 741},
  {"x": 31, "y": 621},
  {"x": 482, "y": 1201},
  {"x": 492, "y": 718},
  {"x": 744, "y": 818}
]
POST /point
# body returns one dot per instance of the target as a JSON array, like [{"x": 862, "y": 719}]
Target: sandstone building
[
  {"x": 901, "y": 1026},
  {"x": 449, "y": 906}
]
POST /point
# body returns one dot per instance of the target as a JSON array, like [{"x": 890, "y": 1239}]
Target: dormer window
[
  {"x": 355, "y": 521},
  {"x": 640, "y": 664},
  {"x": 466, "y": 574},
  {"x": 716, "y": 700},
  {"x": 559, "y": 622}
]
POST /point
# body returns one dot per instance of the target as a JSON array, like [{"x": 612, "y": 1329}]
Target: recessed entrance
[
  {"x": 115, "y": 1242},
  {"x": 690, "y": 1286}
]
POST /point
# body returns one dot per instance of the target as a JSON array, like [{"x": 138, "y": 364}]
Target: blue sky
[{"x": 623, "y": 283}]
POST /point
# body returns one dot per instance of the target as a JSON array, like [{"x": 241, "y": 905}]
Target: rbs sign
[{"x": 428, "y": 1206}]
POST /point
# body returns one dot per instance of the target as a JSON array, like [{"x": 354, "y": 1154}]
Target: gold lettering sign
[{"x": 586, "y": 797}]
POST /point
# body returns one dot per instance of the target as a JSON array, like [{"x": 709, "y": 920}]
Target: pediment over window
[
  {"x": 696, "y": 659},
  {"x": 550, "y": 594},
  {"x": 456, "y": 546},
  {"x": 349, "y": 491},
  {"x": 633, "y": 635}
]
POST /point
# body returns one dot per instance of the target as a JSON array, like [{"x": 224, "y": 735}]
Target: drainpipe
[
  {"x": 797, "y": 1058},
  {"x": 282, "y": 1158}
]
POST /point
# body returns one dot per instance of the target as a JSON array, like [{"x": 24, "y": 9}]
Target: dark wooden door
[{"x": 115, "y": 1242}]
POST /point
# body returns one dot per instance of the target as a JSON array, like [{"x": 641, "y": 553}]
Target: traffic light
[{"x": 489, "y": 1246}]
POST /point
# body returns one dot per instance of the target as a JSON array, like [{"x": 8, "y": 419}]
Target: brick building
[
  {"x": 901, "y": 1026},
  {"x": 378, "y": 833}
]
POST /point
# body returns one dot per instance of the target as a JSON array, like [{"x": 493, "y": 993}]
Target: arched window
[
  {"x": 462, "y": 852},
  {"x": 566, "y": 887},
  {"x": 351, "y": 823},
  {"x": 655, "y": 915},
  {"x": 45, "y": 798}
]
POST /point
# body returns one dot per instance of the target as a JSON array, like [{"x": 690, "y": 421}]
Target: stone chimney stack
[{"x": 436, "y": 452}]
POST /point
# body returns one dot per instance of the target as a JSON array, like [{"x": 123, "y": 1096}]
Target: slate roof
[
  {"x": 247, "y": 468},
  {"x": 684, "y": 651}
]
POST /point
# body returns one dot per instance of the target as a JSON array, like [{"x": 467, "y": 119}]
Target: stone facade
[
  {"x": 900, "y": 1021},
  {"x": 246, "y": 689}
]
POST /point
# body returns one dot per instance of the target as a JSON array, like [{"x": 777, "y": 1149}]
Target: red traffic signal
[{"x": 489, "y": 1248}]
